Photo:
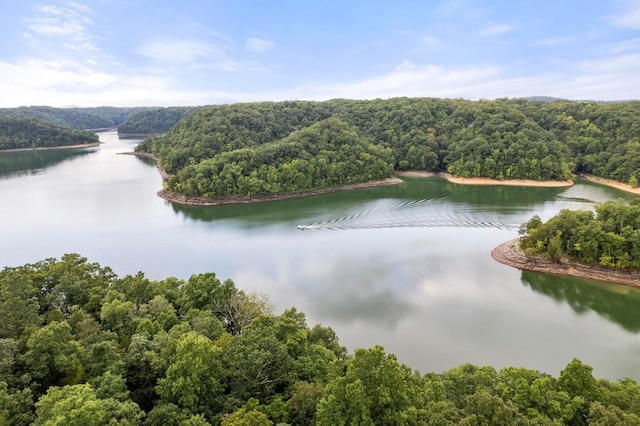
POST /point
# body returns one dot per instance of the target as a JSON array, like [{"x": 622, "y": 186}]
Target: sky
[{"x": 204, "y": 52}]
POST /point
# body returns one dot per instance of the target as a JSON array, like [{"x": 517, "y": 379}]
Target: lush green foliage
[
  {"x": 327, "y": 153},
  {"x": 16, "y": 132},
  {"x": 610, "y": 237},
  {"x": 154, "y": 121},
  {"x": 501, "y": 139},
  {"x": 76, "y": 118},
  {"x": 80, "y": 345}
]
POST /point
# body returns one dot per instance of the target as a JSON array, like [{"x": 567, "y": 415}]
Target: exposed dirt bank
[
  {"x": 46, "y": 148},
  {"x": 510, "y": 254},
  {"x": 201, "y": 201}
]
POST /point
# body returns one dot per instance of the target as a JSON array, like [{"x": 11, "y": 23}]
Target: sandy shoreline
[
  {"x": 487, "y": 181},
  {"x": 201, "y": 201},
  {"x": 47, "y": 148},
  {"x": 612, "y": 183},
  {"x": 510, "y": 253}
]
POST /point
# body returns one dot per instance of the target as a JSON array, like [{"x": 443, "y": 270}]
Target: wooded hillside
[
  {"x": 501, "y": 139},
  {"x": 20, "y": 132},
  {"x": 76, "y": 118}
]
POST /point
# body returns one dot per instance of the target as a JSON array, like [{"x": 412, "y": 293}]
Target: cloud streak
[
  {"x": 61, "y": 22},
  {"x": 258, "y": 45}
]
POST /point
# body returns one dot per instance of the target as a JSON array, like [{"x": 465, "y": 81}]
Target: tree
[
  {"x": 193, "y": 379},
  {"x": 303, "y": 402},
  {"x": 239, "y": 309},
  {"x": 375, "y": 390},
  {"x": 242, "y": 417},
  {"x": 53, "y": 357},
  {"x": 18, "y": 303},
  {"x": 257, "y": 363},
  {"x": 201, "y": 291},
  {"x": 79, "y": 405}
]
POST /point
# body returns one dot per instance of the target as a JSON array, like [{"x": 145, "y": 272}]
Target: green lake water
[{"x": 405, "y": 266}]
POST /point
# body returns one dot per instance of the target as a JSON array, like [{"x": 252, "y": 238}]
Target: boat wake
[{"x": 425, "y": 213}]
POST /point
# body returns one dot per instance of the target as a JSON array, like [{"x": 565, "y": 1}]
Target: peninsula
[{"x": 602, "y": 246}]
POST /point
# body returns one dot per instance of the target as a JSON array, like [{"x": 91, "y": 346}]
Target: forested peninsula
[
  {"x": 81, "y": 345},
  {"x": 17, "y": 133},
  {"x": 296, "y": 147},
  {"x": 603, "y": 244}
]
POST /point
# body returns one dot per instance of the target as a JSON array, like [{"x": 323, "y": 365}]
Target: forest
[
  {"x": 83, "y": 346},
  {"x": 21, "y": 132},
  {"x": 608, "y": 236},
  {"x": 76, "y": 118},
  {"x": 153, "y": 121},
  {"x": 218, "y": 151}
]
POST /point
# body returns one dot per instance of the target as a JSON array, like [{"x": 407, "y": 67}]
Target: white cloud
[
  {"x": 258, "y": 45},
  {"x": 63, "y": 22},
  {"x": 629, "y": 17},
  {"x": 496, "y": 29},
  {"x": 195, "y": 54},
  {"x": 179, "y": 52},
  {"x": 59, "y": 83},
  {"x": 624, "y": 46}
]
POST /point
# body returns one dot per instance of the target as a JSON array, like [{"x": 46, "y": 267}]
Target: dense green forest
[
  {"x": 610, "y": 236},
  {"x": 154, "y": 121},
  {"x": 82, "y": 346},
  {"x": 21, "y": 132},
  {"x": 76, "y": 118},
  {"x": 500, "y": 139}
]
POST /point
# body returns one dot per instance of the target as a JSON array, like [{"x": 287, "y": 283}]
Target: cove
[{"x": 407, "y": 266}]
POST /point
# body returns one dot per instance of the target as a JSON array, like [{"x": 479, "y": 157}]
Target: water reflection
[
  {"x": 617, "y": 303},
  {"x": 35, "y": 161}
]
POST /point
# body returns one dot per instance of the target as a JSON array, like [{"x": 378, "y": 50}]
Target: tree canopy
[
  {"x": 19, "y": 132},
  {"x": 608, "y": 236},
  {"x": 153, "y": 121},
  {"x": 75, "y": 118},
  {"x": 500, "y": 139},
  {"x": 80, "y": 346}
]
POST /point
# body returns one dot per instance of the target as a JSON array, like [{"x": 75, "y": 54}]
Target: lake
[{"x": 405, "y": 266}]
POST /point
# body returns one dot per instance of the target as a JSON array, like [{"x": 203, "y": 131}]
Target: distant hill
[
  {"x": 544, "y": 99},
  {"x": 25, "y": 132},
  {"x": 76, "y": 118},
  {"x": 154, "y": 121}
]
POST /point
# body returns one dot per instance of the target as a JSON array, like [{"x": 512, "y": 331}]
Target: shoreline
[
  {"x": 161, "y": 170},
  {"x": 612, "y": 183},
  {"x": 174, "y": 197},
  {"x": 239, "y": 199},
  {"x": 395, "y": 179},
  {"x": 487, "y": 181},
  {"x": 47, "y": 148},
  {"x": 510, "y": 254}
]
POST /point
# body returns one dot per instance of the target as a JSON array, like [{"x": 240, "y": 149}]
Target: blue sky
[{"x": 188, "y": 52}]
